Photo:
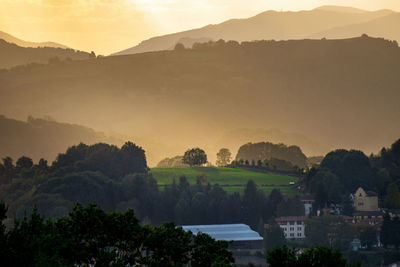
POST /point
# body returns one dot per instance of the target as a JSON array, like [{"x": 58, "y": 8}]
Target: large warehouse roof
[{"x": 228, "y": 232}]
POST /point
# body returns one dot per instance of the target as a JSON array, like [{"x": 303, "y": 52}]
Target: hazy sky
[{"x": 107, "y": 26}]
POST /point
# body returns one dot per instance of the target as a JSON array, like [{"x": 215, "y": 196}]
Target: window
[
  {"x": 360, "y": 195},
  {"x": 292, "y": 235},
  {"x": 291, "y": 228},
  {"x": 291, "y": 223},
  {"x": 298, "y": 228},
  {"x": 299, "y": 222},
  {"x": 285, "y": 235},
  {"x": 299, "y": 234},
  {"x": 284, "y": 229}
]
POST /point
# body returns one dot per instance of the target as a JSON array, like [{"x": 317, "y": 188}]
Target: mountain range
[
  {"x": 337, "y": 93},
  {"x": 330, "y": 22},
  {"x": 14, "y": 40}
]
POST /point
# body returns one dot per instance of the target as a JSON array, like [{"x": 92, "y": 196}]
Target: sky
[{"x": 107, "y": 26}]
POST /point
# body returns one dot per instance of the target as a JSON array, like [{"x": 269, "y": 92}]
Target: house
[
  {"x": 307, "y": 201},
  {"x": 293, "y": 227},
  {"x": 365, "y": 200},
  {"x": 240, "y": 234}
]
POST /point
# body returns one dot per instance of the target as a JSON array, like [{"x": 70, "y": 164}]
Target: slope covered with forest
[
  {"x": 13, "y": 55},
  {"x": 341, "y": 93},
  {"x": 43, "y": 138}
]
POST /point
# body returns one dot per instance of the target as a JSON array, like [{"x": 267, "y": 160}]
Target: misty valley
[{"x": 270, "y": 140}]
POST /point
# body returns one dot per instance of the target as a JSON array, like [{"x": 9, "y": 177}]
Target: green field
[{"x": 226, "y": 177}]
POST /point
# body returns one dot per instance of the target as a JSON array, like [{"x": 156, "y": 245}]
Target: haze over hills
[
  {"x": 13, "y": 55},
  {"x": 281, "y": 26},
  {"x": 44, "y": 138},
  {"x": 386, "y": 26},
  {"x": 338, "y": 93},
  {"x": 11, "y": 39}
]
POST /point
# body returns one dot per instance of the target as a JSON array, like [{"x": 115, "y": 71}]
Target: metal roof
[{"x": 227, "y": 232}]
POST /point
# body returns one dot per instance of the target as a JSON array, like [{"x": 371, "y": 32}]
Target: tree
[
  {"x": 24, "y": 163},
  {"x": 291, "y": 207},
  {"x": 273, "y": 236},
  {"x": 392, "y": 200},
  {"x": 368, "y": 236},
  {"x": 179, "y": 47},
  {"x": 88, "y": 236},
  {"x": 223, "y": 157},
  {"x": 195, "y": 157},
  {"x": 313, "y": 257}
]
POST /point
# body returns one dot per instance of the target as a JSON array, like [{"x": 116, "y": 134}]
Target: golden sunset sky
[{"x": 107, "y": 26}]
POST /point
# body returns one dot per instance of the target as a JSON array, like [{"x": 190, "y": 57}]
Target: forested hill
[
  {"x": 342, "y": 93},
  {"x": 12, "y": 55},
  {"x": 266, "y": 151},
  {"x": 43, "y": 138}
]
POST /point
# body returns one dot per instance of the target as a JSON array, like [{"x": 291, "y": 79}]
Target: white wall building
[
  {"x": 307, "y": 201},
  {"x": 293, "y": 227}
]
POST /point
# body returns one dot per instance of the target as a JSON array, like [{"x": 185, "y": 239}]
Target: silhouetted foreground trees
[
  {"x": 314, "y": 257},
  {"x": 90, "y": 236}
]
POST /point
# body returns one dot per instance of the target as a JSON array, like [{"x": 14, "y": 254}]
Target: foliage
[
  {"x": 318, "y": 256},
  {"x": 90, "y": 236},
  {"x": 291, "y": 207},
  {"x": 224, "y": 157},
  {"x": 390, "y": 232},
  {"x": 175, "y": 162},
  {"x": 265, "y": 150},
  {"x": 392, "y": 200},
  {"x": 368, "y": 236},
  {"x": 274, "y": 236},
  {"x": 195, "y": 157}
]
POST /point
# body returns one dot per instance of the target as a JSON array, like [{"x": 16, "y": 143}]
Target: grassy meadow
[{"x": 232, "y": 179}]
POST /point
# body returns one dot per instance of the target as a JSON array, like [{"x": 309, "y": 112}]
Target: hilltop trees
[
  {"x": 224, "y": 157},
  {"x": 195, "y": 157},
  {"x": 267, "y": 151}
]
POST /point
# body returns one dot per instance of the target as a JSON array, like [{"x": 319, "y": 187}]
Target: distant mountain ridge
[
  {"x": 11, "y": 39},
  {"x": 275, "y": 25},
  {"x": 13, "y": 55}
]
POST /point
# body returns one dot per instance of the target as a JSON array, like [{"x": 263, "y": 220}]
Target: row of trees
[
  {"x": 88, "y": 236},
  {"x": 110, "y": 160}
]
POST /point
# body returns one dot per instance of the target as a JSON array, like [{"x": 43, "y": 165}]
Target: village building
[
  {"x": 365, "y": 200},
  {"x": 241, "y": 235},
  {"x": 293, "y": 227},
  {"x": 307, "y": 200}
]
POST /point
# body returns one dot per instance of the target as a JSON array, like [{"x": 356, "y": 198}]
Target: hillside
[
  {"x": 275, "y": 25},
  {"x": 387, "y": 26},
  {"x": 43, "y": 138},
  {"x": 12, "y": 55},
  {"x": 331, "y": 91},
  {"x": 11, "y": 39},
  {"x": 230, "y": 179}
]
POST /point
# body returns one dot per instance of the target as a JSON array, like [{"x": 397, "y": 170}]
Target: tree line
[{"x": 89, "y": 236}]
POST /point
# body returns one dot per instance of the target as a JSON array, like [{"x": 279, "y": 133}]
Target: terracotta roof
[
  {"x": 306, "y": 197},
  {"x": 291, "y": 219}
]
